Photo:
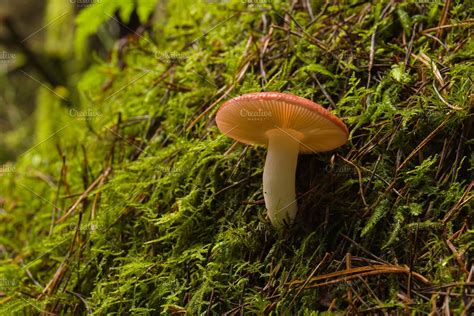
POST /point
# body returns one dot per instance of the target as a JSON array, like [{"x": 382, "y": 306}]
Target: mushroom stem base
[{"x": 279, "y": 177}]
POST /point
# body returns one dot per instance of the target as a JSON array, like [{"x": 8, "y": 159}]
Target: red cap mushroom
[{"x": 286, "y": 124}]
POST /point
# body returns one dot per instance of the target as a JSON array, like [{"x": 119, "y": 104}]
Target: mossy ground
[{"x": 134, "y": 203}]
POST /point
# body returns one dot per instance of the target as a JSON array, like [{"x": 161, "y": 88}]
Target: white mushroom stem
[{"x": 279, "y": 177}]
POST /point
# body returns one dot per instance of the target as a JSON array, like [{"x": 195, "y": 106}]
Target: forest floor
[{"x": 131, "y": 201}]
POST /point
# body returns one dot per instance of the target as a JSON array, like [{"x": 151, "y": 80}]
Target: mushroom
[{"x": 286, "y": 124}]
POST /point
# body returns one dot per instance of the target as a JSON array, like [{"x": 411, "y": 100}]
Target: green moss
[{"x": 174, "y": 227}]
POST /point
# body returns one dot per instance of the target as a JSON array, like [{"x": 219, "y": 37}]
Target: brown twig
[{"x": 85, "y": 194}]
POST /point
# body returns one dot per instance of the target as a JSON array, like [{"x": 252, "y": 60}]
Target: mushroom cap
[{"x": 248, "y": 119}]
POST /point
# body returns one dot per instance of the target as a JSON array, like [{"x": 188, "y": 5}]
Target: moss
[{"x": 171, "y": 220}]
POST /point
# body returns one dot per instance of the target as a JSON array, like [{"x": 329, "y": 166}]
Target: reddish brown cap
[{"x": 248, "y": 118}]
